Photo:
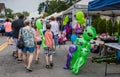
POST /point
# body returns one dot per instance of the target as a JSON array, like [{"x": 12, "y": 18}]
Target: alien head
[{"x": 89, "y": 33}]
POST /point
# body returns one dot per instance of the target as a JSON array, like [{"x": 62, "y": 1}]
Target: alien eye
[{"x": 90, "y": 34}]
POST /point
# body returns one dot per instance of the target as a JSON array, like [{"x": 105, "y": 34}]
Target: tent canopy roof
[
  {"x": 98, "y": 5},
  {"x": 83, "y": 4},
  {"x": 104, "y": 7}
]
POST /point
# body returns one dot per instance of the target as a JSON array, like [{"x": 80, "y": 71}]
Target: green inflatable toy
[
  {"x": 81, "y": 21},
  {"x": 40, "y": 27},
  {"x": 39, "y": 24},
  {"x": 65, "y": 20},
  {"x": 79, "y": 57},
  {"x": 79, "y": 15}
]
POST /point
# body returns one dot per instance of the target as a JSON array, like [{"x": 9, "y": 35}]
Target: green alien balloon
[
  {"x": 40, "y": 26},
  {"x": 83, "y": 49}
]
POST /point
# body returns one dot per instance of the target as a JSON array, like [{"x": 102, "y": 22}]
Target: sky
[{"x": 23, "y": 5}]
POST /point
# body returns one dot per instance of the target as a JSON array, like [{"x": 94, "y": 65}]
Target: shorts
[
  {"x": 48, "y": 51},
  {"x": 28, "y": 49},
  {"x": 56, "y": 40},
  {"x": 39, "y": 42},
  {"x": 8, "y": 34}
]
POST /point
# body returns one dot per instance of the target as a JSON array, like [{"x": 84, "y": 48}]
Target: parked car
[{"x": 2, "y": 30}]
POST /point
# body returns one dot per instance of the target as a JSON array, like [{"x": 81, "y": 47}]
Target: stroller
[{"x": 62, "y": 37}]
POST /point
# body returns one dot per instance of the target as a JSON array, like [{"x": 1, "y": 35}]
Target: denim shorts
[
  {"x": 9, "y": 34},
  {"x": 28, "y": 49}
]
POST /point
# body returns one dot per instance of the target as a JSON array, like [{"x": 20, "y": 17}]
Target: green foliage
[
  {"x": 56, "y": 6},
  {"x": 18, "y": 14},
  {"x": 40, "y": 7},
  {"x": 25, "y": 13},
  {"x": 9, "y": 13},
  {"x": 2, "y": 16},
  {"x": 103, "y": 26}
]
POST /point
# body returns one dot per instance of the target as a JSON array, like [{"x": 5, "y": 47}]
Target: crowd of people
[{"x": 54, "y": 34}]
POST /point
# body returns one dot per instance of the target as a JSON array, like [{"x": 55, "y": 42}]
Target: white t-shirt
[{"x": 54, "y": 27}]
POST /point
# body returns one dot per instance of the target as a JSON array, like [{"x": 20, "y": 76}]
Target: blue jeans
[{"x": 56, "y": 40}]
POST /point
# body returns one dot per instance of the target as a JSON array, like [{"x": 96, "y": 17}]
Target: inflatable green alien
[
  {"x": 83, "y": 49},
  {"x": 80, "y": 50},
  {"x": 40, "y": 27}
]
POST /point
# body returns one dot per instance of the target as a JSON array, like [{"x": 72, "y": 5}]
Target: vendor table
[{"x": 111, "y": 45}]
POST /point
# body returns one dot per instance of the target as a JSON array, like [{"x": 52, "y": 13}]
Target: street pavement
[
  {"x": 2, "y": 39},
  {"x": 9, "y": 67}
]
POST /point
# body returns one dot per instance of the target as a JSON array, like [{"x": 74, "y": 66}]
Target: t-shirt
[
  {"x": 16, "y": 25},
  {"x": 54, "y": 27},
  {"x": 28, "y": 36},
  {"x": 8, "y": 26},
  {"x": 49, "y": 38}
]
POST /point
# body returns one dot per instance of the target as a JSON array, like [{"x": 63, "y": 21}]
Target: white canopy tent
[
  {"x": 59, "y": 14},
  {"x": 51, "y": 15},
  {"x": 79, "y": 6}
]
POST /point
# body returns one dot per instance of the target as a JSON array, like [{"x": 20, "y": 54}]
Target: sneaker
[
  {"x": 47, "y": 66},
  {"x": 29, "y": 69},
  {"x": 51, "y": 64},
  {"x": 19, "y": 60},
  {"x": 14, "y": 54}
]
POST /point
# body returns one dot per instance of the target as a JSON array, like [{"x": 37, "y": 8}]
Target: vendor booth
[
  {"x": 79, "y": 6},
  {"x": 109, "y": 8}
]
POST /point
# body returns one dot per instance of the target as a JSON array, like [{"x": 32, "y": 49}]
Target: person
[
  {"x": 8, "y": 30},
  {"x": 55, "y": 30},
  {"x": 16, "y": 25},
  {"x": 2, "y": 29},
  {"x": 38, "y": 41},
  {"x": 28, "y": 35},
  {"x": 49, "y": 42},
  {"x": 32, "y": 21}
]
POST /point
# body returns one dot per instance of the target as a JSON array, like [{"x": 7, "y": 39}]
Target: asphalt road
[{"x": 9, "y": 67}]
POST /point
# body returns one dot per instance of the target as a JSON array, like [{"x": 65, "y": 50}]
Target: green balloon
[
  {"x": 79, "y": 15},
  {"x": 43, "y": 39},
  {"x": 66, "y": 19},
  {"x": 64, "y": 23},
  {"x": 39, "y": 24},
  {"x": 81, "y": 21}
]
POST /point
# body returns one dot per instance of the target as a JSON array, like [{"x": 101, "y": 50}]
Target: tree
[
  {"x": 55, "y": 5},
  {"x": 18, "y": 14},
  {"x": 25, "y": 13},
  {"x": 9, "y": 13},
  {"x": 2, "y": 16}
]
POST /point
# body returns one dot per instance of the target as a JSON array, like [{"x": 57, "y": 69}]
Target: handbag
[{"x": 20, "y": 43}]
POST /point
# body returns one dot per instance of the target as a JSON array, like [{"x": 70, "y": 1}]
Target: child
[
  {"x": 38, "y": 41},
  {"x": 49, "y": 42}
]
